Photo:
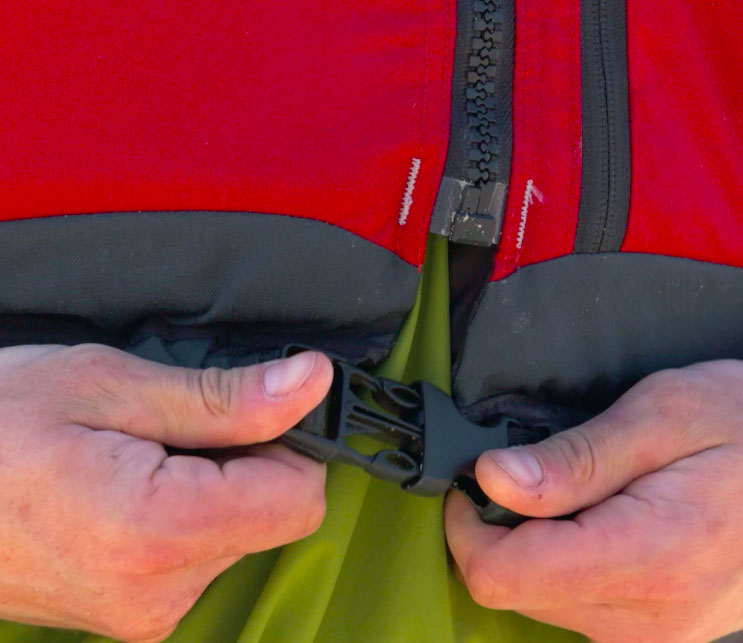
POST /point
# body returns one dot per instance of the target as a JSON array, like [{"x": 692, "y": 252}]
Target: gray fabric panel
[
  {"x": 583, "y": 328},
  {"x": 199, "y": 268}
]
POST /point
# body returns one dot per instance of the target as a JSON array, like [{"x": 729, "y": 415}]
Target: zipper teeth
[{"x": 483, "y": 155}]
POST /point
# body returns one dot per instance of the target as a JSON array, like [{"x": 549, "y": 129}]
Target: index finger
[
  {"x": 189, "y": 510},
  {"x": 540, "y": 564}
]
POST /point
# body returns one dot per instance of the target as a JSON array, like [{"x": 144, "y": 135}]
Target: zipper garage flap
[
  {"x": 318, "y": 110},
  {"x": 542, "y": 206},
  {"x": 605, "y": 184}
]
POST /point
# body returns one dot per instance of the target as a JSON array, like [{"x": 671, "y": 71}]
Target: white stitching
[
  {"x": 407, "y": 198},
  {"x": 529, "y": 194}
]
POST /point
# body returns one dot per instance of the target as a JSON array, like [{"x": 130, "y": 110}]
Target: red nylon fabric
[
  {"x": 546, "y": 136},
  {"x": 686, "y": 111},
  {"x": 308, "y": 109}
]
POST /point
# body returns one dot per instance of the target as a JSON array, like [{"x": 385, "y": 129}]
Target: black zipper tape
[
  {"x": 605, "y": 184},
  {"x": 473, "y": 193}
]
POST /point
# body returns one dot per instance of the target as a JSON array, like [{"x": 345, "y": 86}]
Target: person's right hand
[{"x": 100, "y": 529}]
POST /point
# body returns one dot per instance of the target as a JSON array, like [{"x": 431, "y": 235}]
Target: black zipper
[
  {"x": 473, "y": 193},
  {"x": 472, "y": 198},
  {"x": 606, "y": 175}
]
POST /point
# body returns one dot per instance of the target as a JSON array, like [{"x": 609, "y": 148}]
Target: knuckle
[
  {"x": 153, "y": 546},
  {"x": 152, "y": 558},
  {"x": 89, "y": 356},
  {"x": 216, "y": 388},
  {"x": 314, "y": 515},
  {"x": 578, "y": 452},
  {"x": 149, "y": 618},
  {"x": 143, "y": 630},
  {"x": 482, "y": 582},
  {"x": 673, "y": 395},
  {"x": 302, "y": 514},
  {"x": 304, "y": 511},
  {"x": 88, "y": 369},
  {"x": 145, "y": 543}
]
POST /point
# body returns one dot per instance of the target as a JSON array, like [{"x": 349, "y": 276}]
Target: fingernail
[
  {"x": 285, "y": 376},
  {"x": 520, "y": 465}
]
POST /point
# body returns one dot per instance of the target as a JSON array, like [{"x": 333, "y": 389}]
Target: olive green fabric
[{"x": 377, "y": 570}]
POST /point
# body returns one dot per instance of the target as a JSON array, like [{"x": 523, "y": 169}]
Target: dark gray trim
[
  {"x": 606, "y": 175},
  {"x": 123, "y": 276},
  {"x": 581, "y": 329}
]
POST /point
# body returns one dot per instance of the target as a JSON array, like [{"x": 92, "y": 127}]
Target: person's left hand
[{"x": 658, "y": 555}]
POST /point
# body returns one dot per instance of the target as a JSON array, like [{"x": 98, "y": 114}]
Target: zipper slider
[{"x": 469, "y": 214}]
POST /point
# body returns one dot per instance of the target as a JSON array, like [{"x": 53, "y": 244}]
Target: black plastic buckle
[{"x": 430, "y": 446}]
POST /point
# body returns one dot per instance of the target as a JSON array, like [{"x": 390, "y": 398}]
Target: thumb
[
  {"x": 187, "y": 407},
  {"x": 649, "y": 428}
]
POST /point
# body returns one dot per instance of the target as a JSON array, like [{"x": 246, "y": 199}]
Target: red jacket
[{"x": 256, "y": 176}]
